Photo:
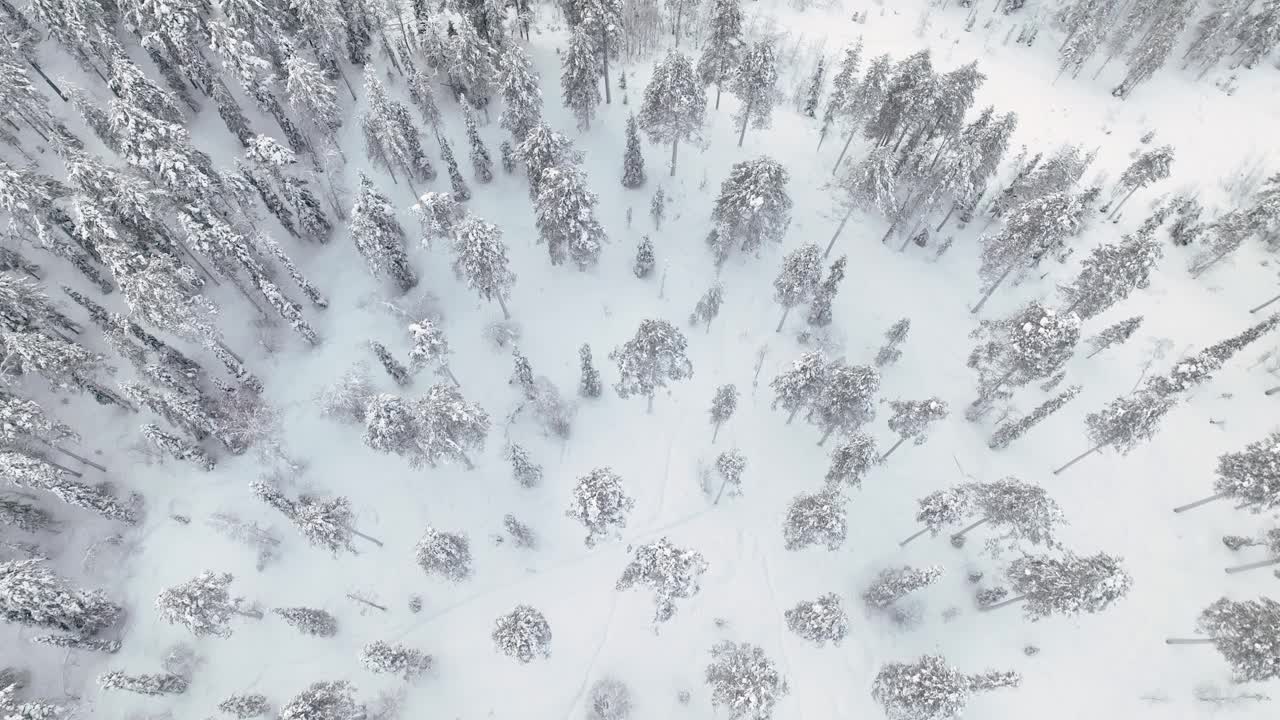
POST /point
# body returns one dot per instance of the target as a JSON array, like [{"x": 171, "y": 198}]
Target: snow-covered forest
[{"x": 609, "y": 359}]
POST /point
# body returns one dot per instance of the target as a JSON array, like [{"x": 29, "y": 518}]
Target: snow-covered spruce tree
[
  {"x": 1244, "y": 632},
  {"x": 565, "y": 212},
  {"x": 1035, "y": 229},
  {"x": 1114, "y": 335},
  {"x": 820, "y": 305},
  {"x": 1110, "y": 273},
  {"x": 32, "y": 472},
  {"x": 755, "y": 81},
  {"x": 1124, "y": 423},
  {"x": 1032, "y": 344},
  {"x": 313, "y": 97},
  {"x": 525, "y": 471},
  {"x": 843, "y": 86},
  {"x": 730, "y": 465},
  {"x": 445, "y": 554},
  {"x": 814, "y": 95},
  {"x": 1200, "y": 367},
  {"x": 909, "y": 95},
  {"x": 267, "y": 174},
  {"x": 1153, "y": 46},
  {"x": 176, "y": 447},
  {"x": 798, "y": 279},
  {"x": 31, "y": 594},
  {"x": 650, "y": 360},
  {"x": 1250, "y": 477},
  {"x": 24, "y": 516},
  {"x": 930, "y": 689},
  {"x": 851, "y": 461},
  {"x": 243, "y": 707},
  {"x": 943, "y": 508},
  {"x": 798, "y": 387},
  {"x": 328, "y": 700},
  {"x": 1260, "y": 35},
  {"x": 309, "y": 621},
  {"x": 658, "y": 208},
  {"x": 457, "y": 184},
  {"x": 203, "y": 604},
  {"x": 645, "y": 261},
  {"x": 379, "y": 237},
  {"x": 523, "y": 634},
  {"x": 508, "y": 155},
  {"x": 348, "y": 398},
  {"x": 600, "y": 504},
  {"x": 893, "y": 584},
  {"x": 894, "y": 336},
  {"x": 1020, "y": 510},
  {"x": 912, "y": 418},
  {"x": 608, "y": 699},
  {"x": 480, "y": 259},
  {"x": 395, "y": 369},
  {"x": 521, "y": 94},
  {"x": 708, "y": 306},
  {"x": 1010, "y": 431},
  {"x": 383, "y": 657},
  {"x": 522, "y": 374},
  {"x": 521, "y": 534},
  {"x": 589, "y": 384},
  {"x": 816, "y": 519},
  {"x": 674, "y": 106},
  {"x": 633, "y": 175},
  {"x": 745, "y": 681},
  {"x": 753, "y": 208},
  {"x": 580, "y": 77},
  {"x": 481, "y": 163},
  {"x": 450, "y": 426},
  {"x": 1151, "y": 166},
  {"x": 542, "y": 149},
  {"x": 819, "y": 621},
  {"x": 430, "y": 348},
  {"x": 846, "y": 399},
  {"x": 391, "y": 137},
  {"x": 723, "y": 44},
  {"x": 671, "y": 572},
  {"x": 723, "y": 404},
  {"x": 1087, "y": 23},
  {"x": 149, "y": 684},
  {"x": 1069, "y": 585}
]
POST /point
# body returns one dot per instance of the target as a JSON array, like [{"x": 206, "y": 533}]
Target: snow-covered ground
[{"x": 1113, "y": 664}]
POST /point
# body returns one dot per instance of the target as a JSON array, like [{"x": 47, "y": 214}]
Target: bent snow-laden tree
[
  {"x": 819, "y": 621},
  {"x": 523, "y": 634},
  {"x": 671, "y": 572},
  {"x": 1110, "y": 273},
  {"x": 912, "y": 418},
  {"x": 1246, "y": 632},
  {"x": 753, "y": 208},
  {"x": 1250, "y": 477},
  {"x": 1032, "y": 344},
  {"x": 796, "y": 388},
  {"x": 755, "y": 82},
  {"x": 930, "y": 689},
  {"x": 203, "y": 604},
  {"x": 1020, "y": 511},
  {"x": 650, "y": 360},
  {"x": 1124, "y": 423},
  {"x": 445, "y": 554},
  {"x": 1151, "y": 166},
  {"x": 846, "y": 399},
  {"x": 816, "y": 519},
  {"x": 852, "y": 459},
  {"x": 1067, "y": 585},
  {"x": 600, "y": 504},
  {"x": 675, "y": 104},
  {"x": 745, "y": 681},
  {"x": 31, "y": 594},
  {"x": 798, "y": 279},
  {"x": 893, "y": 584},
  {"x": 1036, "y": 229}
]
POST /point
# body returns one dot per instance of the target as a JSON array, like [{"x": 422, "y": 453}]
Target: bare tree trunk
[
  {"x": 826, "y": 435},
  {"x": 1198, "y": 503},
  {"x": 715, "y": 433},
  {"x": 649, "y": 409},
  {"x": 370, "y": 603},
  {"x": 1188, "y": 641},
  {"x": 373, "y": 540},
  {"x": 970, "y": 527},
  {"x": 1010, "y": 601},
  {"x": 945, "y": 219},
  {"x": 674, "y": 144},
  {"x": 892, "y": 448},
  {"x": 466, "y": 460},
  {"x": 1124, "y": 200},
  {"x": 449, "y": 374},
  {"x": 70, "y": 454},
  {"x": 839, "y": 230},
  {"x": 604, "y": 43},
  {"x": 913, "y": 537},
  {"x": 1274, "y": 299},
  {"x": 785, "y": 311},
  {"x": 1080, "y": 457},
  {"x": 718, "y": 95},
  {"x": 506, "y": 315},
  {"x": 990, "y": 291},
  {"x": 345, "y": 81},
  {"x": 845, "y": 149},
  {"x": 746, "y": 117},
  {"x": 1253, "y": 566},
  {"x": 50, "y": 83},
  {"x": 63, "y": 468},
  {"x": 1273, "y": 390},
  {"x": 723, "y": 482}
]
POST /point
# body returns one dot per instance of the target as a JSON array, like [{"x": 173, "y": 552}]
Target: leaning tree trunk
[
  {"x": 70, "y": 454},
  {"x": 604, "y": 44},
  {"x": 1080, "y": 457},
  {"x": 945, "y": 219},
  {"x": 1274, "y": 299},
  {"x": 968, "y": 528},
  {"x": 1253, "y": 566},
  {"x": 848, "y": 141},
  {"x": 40, "y": 71},
  {"x": 839, "y": 230},
  {"x": 649, "y": 409},
  {"x": 792, "y": 416},
  {"x": 359, "y": 534},
  {"x": 913, "y": 536},
  {"x": 991, "y": 290},
  {"x": 506, "y": 315},
  {"x": 1198, "y": 503},
  {"x": 1272, "y": 391},
  {"x": 825, "y": 435},
  {"x": 1010, "y": 601},
  {"x": 785, "y": 311},
  {"x": 674, "y": 143},
  {"x": 715, "y": 433},
  {"x": 1124, "y": 200},
  {"x": 1188, "y": 641},
  {"x": 746, "y": 117},
  {"x": 892, "y": 448}
]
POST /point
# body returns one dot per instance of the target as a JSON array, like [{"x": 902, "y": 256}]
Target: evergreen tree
[
  {"x": 1115, "y": 334},
  {"x": 1007, "y": 433},
  {"x": 589, "y": 385},
  {"x": 1020, "y": 510},
  {"x": 844, "y": 401},
  {"x": 658, "y": 208},
  {"x": 603, "y": 23},
  {"x": 203, "y": 604},
  {"x": 24, "y": 516},
  {"x": 430, "y": 348},
  {"x": 729, "y": 466},
  {"x": 522, "y": 375},
  {"x": 390, "y": 136},
  {"x": 1251, "y": 477},
  {"x": 744, "y": 681},
  {"x": 1068, "y": 586},
  {"x": 1244, "y": 632},
  {"x": 632, "y": 161},
  {"x": 566, "y": 218},
  {"x": 508, "y": 157},
  {"x": 328, "y": 700},
  {"x": 379, "y": 237},
  {"x": 1124, "y": 423},
  {"x": 721, "y": 49},
  {"x": 481, "y": 163},
  {"x": 645, "y": 262},
  {"x": 309, "y": 621},
  {"x": 31, "y": 594},
  {"x": 820, "y": 305},
  {"x": 893, "y": 584},
  {"x": 444, "y": 553},
  {"x": 543, "y": 149},
  {"x": 521, "y": 94},
  {"x": 523, "y": 469},
  {"x": 600, "y": 504},
  {"x": 930, "y": 689},
  {"x": 149, "y": 684},
  {"x": 1110, "y": 273},
  {"x": 1036, "y": 229},
  {"x": 244, "y": 707},
  {"x": 671, "y": 572},
  {"x": 383, "y": 657},
  {"x": 798, "y": 280},
  {"x": 819, "y": 621},
  {"x": 675, "y": 104},
  {"x": 753, "y": 208},
  {"x": 461, "y": 192},
  {"x": 1032, "y": 344},
  {"x": 1149, "y": 167},
  {"x": 814, "y": 95},
  {"x": 911, "y": 418},
  {"x": 843, "y": 86},
  {"x": 755, "y": 81},
  {"x": 651, "y": 359},
  {"x": 313, "y": 97},
  {"x": 708, "y": 306},
  {"x": 1154, "y": 46},
  {"x": 579, "y": 77},
  {"x": 816, "y": 519},
  {"x": 894, "y": 336},
  {"x": 523, "y": 634},
  {"x": 176, "y": 447},
  {"x": 799, "y": 386},
  {"x": 480, "y": 258},
  {"x": 723, "y": 405},
  {"x": 851, "y": 461},
  {"x": 420, "y": 92},
  {"x": 397, "y": 371}
]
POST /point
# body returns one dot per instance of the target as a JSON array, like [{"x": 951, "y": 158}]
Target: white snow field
[{"x": 1112, "y": 664}]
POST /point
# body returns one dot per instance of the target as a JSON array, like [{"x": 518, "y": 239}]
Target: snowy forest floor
[{"x": 1114, "y": 664}]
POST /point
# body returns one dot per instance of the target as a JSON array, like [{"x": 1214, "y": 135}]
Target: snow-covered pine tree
[
  {"x": 203, "y": 604},
  {"x": 723, "y": 404},
  {"x": 816, "y": 519},
  {"x": 1260, "y": 34},
  {"x": 912, "y": 418},
  {"x": 1035, "y": 229},
  {"x": 450, "y": 426},
  {"x": 633, "y": 175},
  {"x": 1115, "y": 334},
  {"x": 445, "y": 554},
  {"x": 481, "y": 163},
  {"x": 608, "y": 699},
  {"x": 395, "y": 369},
  {"x": 730, "y": 465},
  {"x": 814, "y": 95},
  {"x": 1032, "y": 344},
  {"x": 243, "y": 707},
  {"x": 565, "y": 212},
  {"x": 328, "y": 700},
  {"x": 943, "y": 508},
  {"x": 744, "y": 681},
  {"x": 176, "y": 447},
  {"x": 930, "y": 689},
  {"x": 753, "y": 208},
  {"x": 843, "y": 86},
  {"x": 31, "y": 594},
  {"x": 851, "y": 461},
  {"x": 798, "y": 279},
  {"x": 589, "y": 384},
  {"x": 670, "y": 571},
  {"x": 675, "y": 104},
  {"x": 893, "y": 584},
  {"x": 1250, "y": 477},
  {"x": 521, "y": 534},
  {"x": 521, "y": 94},
  {"x": 313, "y": 97},
  {"x": 1244, "y": 632},
  {"x": 149, "y": 684},
  {"x": 1124, "y": 422},
  {"x": 1021, "y": 510},
  {"x": 457, "y": 183},
  {"x": 480, "y": 258},
  {"x": 1087, "y": 23},
  {"x": 383, "y": 657},
  {"x": 522, "y": 374},
  {"x": 600, "y": 504},
  {"x": 1150, "y": 166},
  {"x": 580, "y": 77},
  {"x": 1069, "y": 585},
  {"x": 645, "y": 261},
  {"x": 34, "y": 472},
  {"x": 846, "y": 399},
  {"x": 309, "y": 621},
  {"x": 1110, "y": 273},
  {"x": 650, "y": 360},
  {"x": 543, "y": 149},
  {"x": 523, "y": 468},
  {"x": 379, "y": 237},
  {"x": 658, "y": 208},
  {"x": 723, "y": 44},
  {"x": 1010, "y": 431},
  {"x": 820, "y": 305},
  {"x": 708, "y": 306},
  {"x": 819, "y": 621},
  {"x": 390, "y": 135},
  {"x": 1153, "y": 47},
  {"x": 754, "y": 81},
  {"x": 430, "y": 348},
  {"x": 523, "y": 634},
  {"x": 799, "y": 386},
  {"x": 24, "y": 516},
  {"x": 508, "y": 157},
  {"x": 894, "y": 336},
  {"x": 420, "y": 92}
]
